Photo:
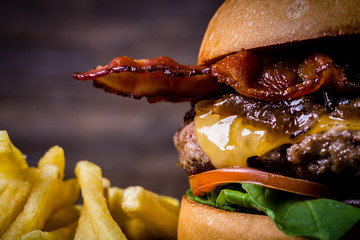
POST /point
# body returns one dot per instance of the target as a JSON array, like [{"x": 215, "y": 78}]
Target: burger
[{"x": 271, "y": 144}]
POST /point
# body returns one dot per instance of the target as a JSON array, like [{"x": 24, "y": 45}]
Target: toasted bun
[
  {"x": 199, "y": 221},
  {"x": 247, "y": 24}
]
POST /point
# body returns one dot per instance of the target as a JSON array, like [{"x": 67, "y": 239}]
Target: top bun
[{"x": 247, "y": 24}]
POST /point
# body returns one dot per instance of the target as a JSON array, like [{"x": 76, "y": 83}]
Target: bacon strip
[
  {"x": 161, "y": 78},
  {"x": 248, "y": 75},
  {"x": 157, "y": 79}
]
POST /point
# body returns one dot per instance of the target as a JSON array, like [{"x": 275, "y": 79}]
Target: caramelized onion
[
  {"x": 251, "y": 76},
  {"x": 157, "y": 79}
]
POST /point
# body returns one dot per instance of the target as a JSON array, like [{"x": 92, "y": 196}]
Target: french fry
[
  {"x": 11, "y": 159},
  {"x": 12, "y": 201},
  {"x": 62, "y": 218},
  {"x": 29, "y": 174},
  {"x": 84, "y": 229},
  {"x": 106, "y": 187},
  {"x": 55, "y": 155},
  {"x": 133, "y": 228},
  {"x": 35, "y": 203},
  {"x": 39, "y": 206},
  {"x": 4, "y": 182},
  {"x": 149, "y": 208},
  {"x": 64, "y": 233},
  {"x": 91, "y": 185},
  {"x": 69, "y": 193},
  {"x": 115, "y": 198},
  {"x": 171, "y": 204},
  {"x": 35, "y": 235},
  {"x": 67, "y": 232}
]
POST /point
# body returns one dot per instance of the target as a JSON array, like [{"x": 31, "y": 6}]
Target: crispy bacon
[
  {"x": 161, "y": 78},
  {"x": 157, "y": 79},
  {"x": 250, "y": 76}
]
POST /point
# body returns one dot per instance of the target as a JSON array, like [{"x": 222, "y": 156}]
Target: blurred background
[{"x": 42, "y": 42}]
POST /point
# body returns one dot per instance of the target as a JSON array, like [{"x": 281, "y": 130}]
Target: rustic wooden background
[{"x": 42, "y": 42}]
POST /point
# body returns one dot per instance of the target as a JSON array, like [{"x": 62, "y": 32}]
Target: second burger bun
[
  {"x": 197, "y": 221},
  {"x": 247, "y": 24}
]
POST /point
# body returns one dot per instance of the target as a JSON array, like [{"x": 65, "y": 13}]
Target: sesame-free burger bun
[
  {"x": 247, "y": 24},
  {"x": 198, "y": 221}
]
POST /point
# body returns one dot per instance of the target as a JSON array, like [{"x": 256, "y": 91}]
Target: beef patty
[
  {"x": 318, "y": 157},
  {"x": 325, "y": 157},
  {"x": 191, "y": 158}
]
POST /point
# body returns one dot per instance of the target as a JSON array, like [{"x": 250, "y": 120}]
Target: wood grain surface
[{"x": 43, "y": 42}]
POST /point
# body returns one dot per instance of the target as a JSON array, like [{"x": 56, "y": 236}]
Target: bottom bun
[{"x": 198, "y": 221}]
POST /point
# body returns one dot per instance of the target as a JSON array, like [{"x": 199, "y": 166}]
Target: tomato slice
[{"x": 207, "y": 181}]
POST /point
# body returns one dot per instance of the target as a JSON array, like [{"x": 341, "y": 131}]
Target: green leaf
[
  {"x": 237, "y": 199},
  {"x": 316, "y": 218},
  {"x": 203, "y": 200},
  {"x": 233, "y": 197}
]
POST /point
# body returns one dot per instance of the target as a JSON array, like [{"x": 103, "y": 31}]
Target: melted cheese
[{"x": 228, "y": 142}]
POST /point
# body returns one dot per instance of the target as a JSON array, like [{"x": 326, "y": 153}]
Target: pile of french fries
[{"x": 38, "y": 203}]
